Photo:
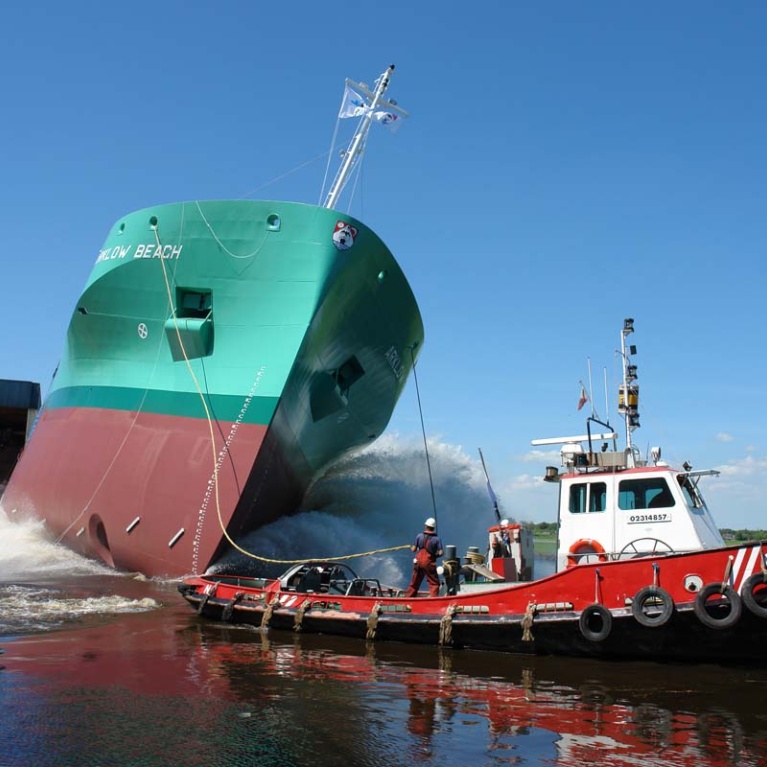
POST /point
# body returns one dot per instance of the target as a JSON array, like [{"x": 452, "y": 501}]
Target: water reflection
[
  {"x": 528, "y": 710},
  {"x": 153, "y": 683}
]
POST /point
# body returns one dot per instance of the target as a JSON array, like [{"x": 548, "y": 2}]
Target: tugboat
[{"x": 642, "y": 572}]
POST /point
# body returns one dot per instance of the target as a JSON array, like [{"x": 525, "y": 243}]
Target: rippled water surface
[
  {"x": 113, "y": 671},
  {"x": 103, "y": 670}
]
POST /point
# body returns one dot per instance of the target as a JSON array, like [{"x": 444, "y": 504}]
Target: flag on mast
[
  {"x": 584, "y": 397},
  {"x": 490, "y": 492},
  {"x": 390, "y": 119},
  {"x": 358, "y": 100},
  {"x": 354, "y": 104}
]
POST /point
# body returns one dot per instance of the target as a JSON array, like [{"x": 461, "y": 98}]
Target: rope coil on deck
[
  {"x": 446, "y": 626},
  {"x": 373, "y": 621}
]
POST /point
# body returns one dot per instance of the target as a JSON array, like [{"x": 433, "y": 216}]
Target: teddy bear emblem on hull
[{"x": 344, "y": 235}]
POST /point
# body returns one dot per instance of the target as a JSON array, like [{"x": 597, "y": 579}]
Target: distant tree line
[
  {"x": 544, "y": 529},
  {"x": 548, "y": 529},
  {"x": 742, "y": 535}
]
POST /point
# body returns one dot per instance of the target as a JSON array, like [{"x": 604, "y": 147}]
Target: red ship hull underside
[{"x": 138, "y": 491}]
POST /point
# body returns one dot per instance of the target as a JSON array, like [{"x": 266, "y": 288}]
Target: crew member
[
  {"x": 502, "y": 540},
  {"x": 427, "y": 548}
]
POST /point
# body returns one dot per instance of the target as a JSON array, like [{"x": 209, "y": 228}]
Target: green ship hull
[{"x": 220, "y": 357}]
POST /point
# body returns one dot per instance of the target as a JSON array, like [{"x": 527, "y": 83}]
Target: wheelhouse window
[
  {"x": 586, "y": 497},
  {"x": 690, "y": 491},
  {"x": 650, "y": 493}
]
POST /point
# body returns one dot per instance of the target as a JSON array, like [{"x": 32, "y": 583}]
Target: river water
[
  {"x": 110, "y": 671},
  {"x": 106, "y": 670}
]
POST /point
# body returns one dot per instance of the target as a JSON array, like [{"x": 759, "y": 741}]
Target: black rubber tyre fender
[
  {"x": 662, "y": 604},
  {"x": 700, "y": 606},
  {"x": 595, "y": 623},
  {"x": 227, "y": 611},
  {"x": 201, "y": 604},
  {"x": 747, "y": 594}
]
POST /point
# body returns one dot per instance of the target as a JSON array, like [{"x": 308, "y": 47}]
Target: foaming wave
[
  {"x": 30, "y": 608},
  {"x": 376, "y": 499},
  {"x": 45, "y": 586},
  {"x": 27, "y": 553}
]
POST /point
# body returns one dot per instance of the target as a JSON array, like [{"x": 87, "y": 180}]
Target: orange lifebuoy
[{"x": 584, "y": 546}]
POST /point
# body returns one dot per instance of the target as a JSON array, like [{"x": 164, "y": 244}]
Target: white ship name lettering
[
  {"x": 118, "y": 251},
  {"x": 153, "y": 250},
  {"x": 395, "y": 361},
  {"x": 148, "y": 250}
]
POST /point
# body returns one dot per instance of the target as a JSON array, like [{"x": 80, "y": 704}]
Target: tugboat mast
[
  {"x": 628, "y": 395},
  {"x": 357, "y": 145}
]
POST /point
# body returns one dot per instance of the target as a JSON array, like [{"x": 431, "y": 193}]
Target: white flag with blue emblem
[{"x": 353, "y": 105}]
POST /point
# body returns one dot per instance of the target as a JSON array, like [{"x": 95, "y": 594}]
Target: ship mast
[{"x": 357, "y": 144}]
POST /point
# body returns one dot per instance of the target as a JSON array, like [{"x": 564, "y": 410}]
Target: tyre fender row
[{"x": 653, "y": 606}]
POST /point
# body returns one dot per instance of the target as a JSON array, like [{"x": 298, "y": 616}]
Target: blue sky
[{"x": 565, "y": 165}]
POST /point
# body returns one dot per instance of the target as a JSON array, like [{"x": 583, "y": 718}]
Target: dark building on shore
[{"x": 19, "y": 405}]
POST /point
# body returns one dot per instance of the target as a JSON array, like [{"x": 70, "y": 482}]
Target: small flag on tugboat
[
  {"x": 584, "y": 397},
  {"x": 490, "y": 492}
]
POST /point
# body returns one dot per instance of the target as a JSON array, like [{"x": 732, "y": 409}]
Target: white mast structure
[
  {"x": 376, "y": 104},
  {"x": 628, "y": 397}
]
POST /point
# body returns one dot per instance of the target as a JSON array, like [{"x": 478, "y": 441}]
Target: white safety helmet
[
  {"x": 430, "y": 522},
  {"x": 504, "y": 523}
]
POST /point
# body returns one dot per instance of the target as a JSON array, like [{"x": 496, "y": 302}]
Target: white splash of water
[
  {"x": 27, "y": 553},
  {"x": 44, "y": 585},
  {"x": 32, "y": 608},
  {"x": 376, "y": 499}
]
